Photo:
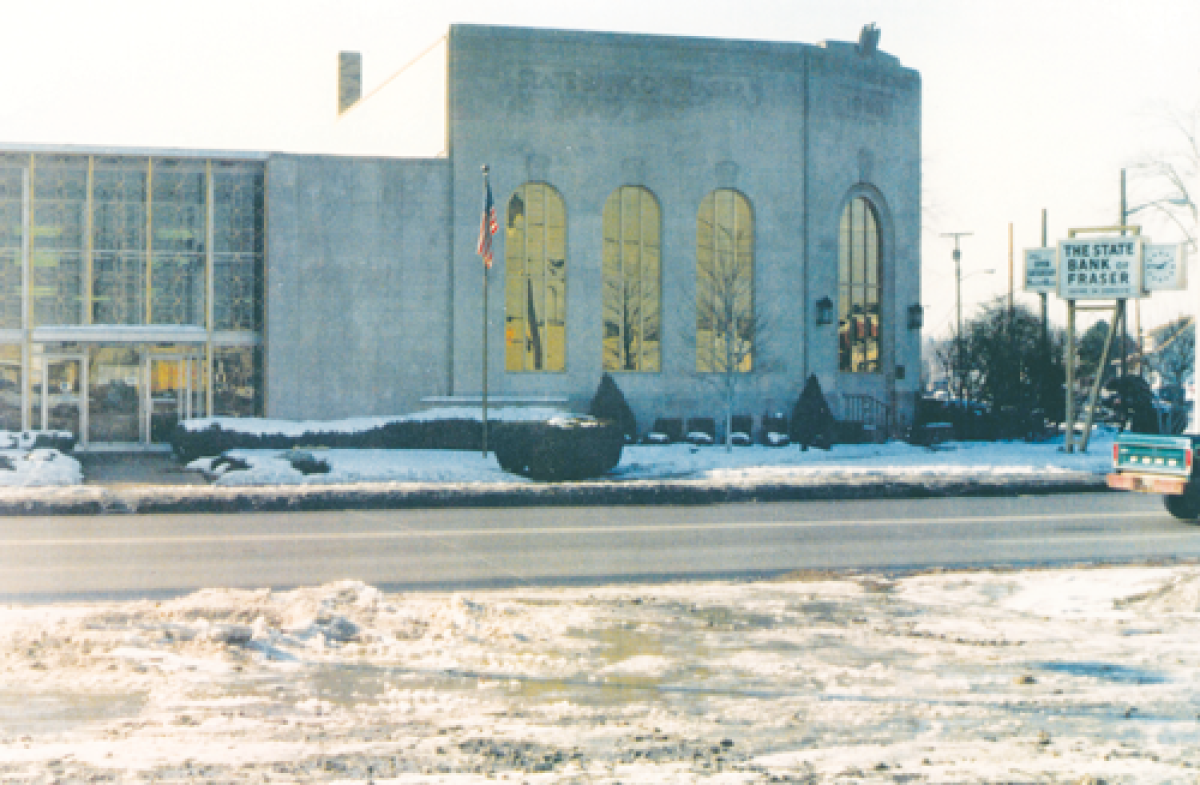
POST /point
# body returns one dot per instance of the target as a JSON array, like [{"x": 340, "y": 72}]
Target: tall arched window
[
  {"x": 858, "y": 289},
  {"x": 535, "y": 260},
  {"x": 725, "y": 315},
  {"x": 632, "y": 304}
]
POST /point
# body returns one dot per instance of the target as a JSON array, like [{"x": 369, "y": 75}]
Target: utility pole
[
  {"x": 1137, "y": 303},
  {"x": 958, "y": 344}
]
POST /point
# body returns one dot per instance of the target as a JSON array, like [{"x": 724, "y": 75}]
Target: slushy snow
[{"x": 1065, "y": 675}]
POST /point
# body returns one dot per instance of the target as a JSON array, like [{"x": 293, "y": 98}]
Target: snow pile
[
  {"x": 273, "y": 467},
  {"x": 1057, "y": 675},
  {"x": 40, "y": 467}
]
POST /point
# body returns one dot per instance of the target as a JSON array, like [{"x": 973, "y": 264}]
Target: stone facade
[{"x": 365, "y": 253}]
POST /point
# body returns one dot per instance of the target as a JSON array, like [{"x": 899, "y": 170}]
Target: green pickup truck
[{"x": 1159, "y": 464}]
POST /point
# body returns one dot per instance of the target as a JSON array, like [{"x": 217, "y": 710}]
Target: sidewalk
[{"x": 126, "y": 483}]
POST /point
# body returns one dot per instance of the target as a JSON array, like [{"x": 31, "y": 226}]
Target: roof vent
[{"x": 349, "y": 79}]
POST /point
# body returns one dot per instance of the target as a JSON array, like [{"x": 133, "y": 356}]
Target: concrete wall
[
  {"x": 589, "y": 113},
  {"x": 357, "y": 285}
]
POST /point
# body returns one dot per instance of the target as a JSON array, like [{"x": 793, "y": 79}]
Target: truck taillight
[
  {"x": 1187, "y": 460},
  {"x": 1116, "y": 454}
]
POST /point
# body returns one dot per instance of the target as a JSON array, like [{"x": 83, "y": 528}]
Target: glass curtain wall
[
  {"x": 10, "y": 388},
  {"x": 120, "y": 194},
  {"x": 178, "y": 221},
  {"x": 13, "y": 182},
  {"x": 58, "y": 230},
  {"x": 112, "y": 241},
  {"x": 238, "y": 209}
]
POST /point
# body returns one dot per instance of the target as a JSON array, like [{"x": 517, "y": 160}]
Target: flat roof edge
[{"x": 153, "y": 152}]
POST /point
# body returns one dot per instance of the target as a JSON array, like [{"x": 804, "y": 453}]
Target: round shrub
[{"x": 562, "y": 449}]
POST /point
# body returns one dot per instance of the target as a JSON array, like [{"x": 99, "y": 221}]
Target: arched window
[
  {"x": 535, "y": 261},
  {"x": 725, "y": 315},
  {"x": 858, "y": 289},
  {"x": 632, "y": 304}
]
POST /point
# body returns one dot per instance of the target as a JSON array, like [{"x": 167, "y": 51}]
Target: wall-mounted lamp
[
  {"x": 824, "y": 311},
  {"x": 916, "y": 316}
]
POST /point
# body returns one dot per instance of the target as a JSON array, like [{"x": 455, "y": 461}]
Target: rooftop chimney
[{"x": 349, "y": 79}]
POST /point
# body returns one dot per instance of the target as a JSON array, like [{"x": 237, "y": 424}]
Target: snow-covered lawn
[
  {"x": 863, "y": 462},
  {"x": 1068, "y": 675}
]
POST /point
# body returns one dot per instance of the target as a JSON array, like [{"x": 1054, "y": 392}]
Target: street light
[{"x": 958, "y": 279}]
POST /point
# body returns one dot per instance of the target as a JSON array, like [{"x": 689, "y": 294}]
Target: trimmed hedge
[
  {"x": 411, "y": 435},
  {"x": 558, "y": 450}
]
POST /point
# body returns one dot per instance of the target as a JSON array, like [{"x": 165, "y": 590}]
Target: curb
[{"x": 94, "y": 500}]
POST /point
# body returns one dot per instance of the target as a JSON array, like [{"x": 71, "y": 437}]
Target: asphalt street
[{"x": 45, "y": 559}]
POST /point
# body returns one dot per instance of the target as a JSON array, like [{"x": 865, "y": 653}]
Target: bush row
[
  {"x": 553, "y": 450},
  {"x": 411, "y": 435}
]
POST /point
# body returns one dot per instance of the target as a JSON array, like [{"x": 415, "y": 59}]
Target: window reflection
[
  {"x": 725, "y": 322},
  {"x": 58, "y": 219},
  {"x": 114, "y": 392},
  {"x": 10, "y": 388},
  {"x": 13, "y": 169},
  {"x": 179, "y": 217},
  {"x": 858, "y": 289},
  {"x": 237, "y": 381},
  {"x": 632, "y": 294},
  {"x": 119, "y": 240},
  {"x": 535, "y": 307}
]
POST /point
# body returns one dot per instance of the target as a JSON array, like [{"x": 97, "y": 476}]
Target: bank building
[{"x": 643, "y": 187}]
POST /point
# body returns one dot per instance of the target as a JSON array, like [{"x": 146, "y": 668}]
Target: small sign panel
[
  {"x": 1041, "y": 269},
  {"x": 1100, "y": 268},
  {"x": 1164, "y": 267}
]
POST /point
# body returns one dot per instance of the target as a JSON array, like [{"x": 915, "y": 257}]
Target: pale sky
[{"x": 1028, "y": 104}]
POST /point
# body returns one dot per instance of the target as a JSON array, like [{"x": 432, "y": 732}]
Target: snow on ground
[
  {"x": 1068, "y": 675},
  {"x": 757, "y": 463},
  {"x": 40, "y": 467}
]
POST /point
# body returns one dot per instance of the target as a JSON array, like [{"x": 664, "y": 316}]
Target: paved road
[{"x": 48, "y": 559}]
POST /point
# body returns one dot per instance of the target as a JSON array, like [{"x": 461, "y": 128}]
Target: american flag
[{"x": 487, "y": 225}]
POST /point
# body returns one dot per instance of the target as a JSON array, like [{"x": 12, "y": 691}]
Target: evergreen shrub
[
  {"x": 609, "y": 404},
  {"x": 558, "y": 450},
  {"x": 813, "y": 423}
]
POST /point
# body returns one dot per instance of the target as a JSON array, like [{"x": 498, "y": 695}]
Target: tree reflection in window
[
  {"x": 725, "y": 322},
  {"x": 632, "y": 294},
  {"x": 535, "y": 308},
  {"x": 859, "y": 289}
]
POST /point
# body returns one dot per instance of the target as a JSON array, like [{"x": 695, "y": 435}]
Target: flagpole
[{"x": 486, "y": 266}]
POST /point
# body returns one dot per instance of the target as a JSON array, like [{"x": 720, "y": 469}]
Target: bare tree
[
  {"x": 1174, "y": 353},
  {"x": 731, "y": 329},
  {"x": 1173, "y": 176}
]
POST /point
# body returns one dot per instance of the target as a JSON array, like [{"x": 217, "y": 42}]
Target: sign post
[{"x": 1108, "y": 267}]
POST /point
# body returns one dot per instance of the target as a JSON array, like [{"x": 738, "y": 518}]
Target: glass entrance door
[
  {"x": 58, "y": 395},
  {"x": 175, "y": 393},
  {"x": 114, "y": 383}
]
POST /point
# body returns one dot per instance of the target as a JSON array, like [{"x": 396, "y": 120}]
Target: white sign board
[
  {"x": 1041, "y": 269},
  {"x": 1100, "y": 268},
  {"x": 1164, "y": 267}
]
